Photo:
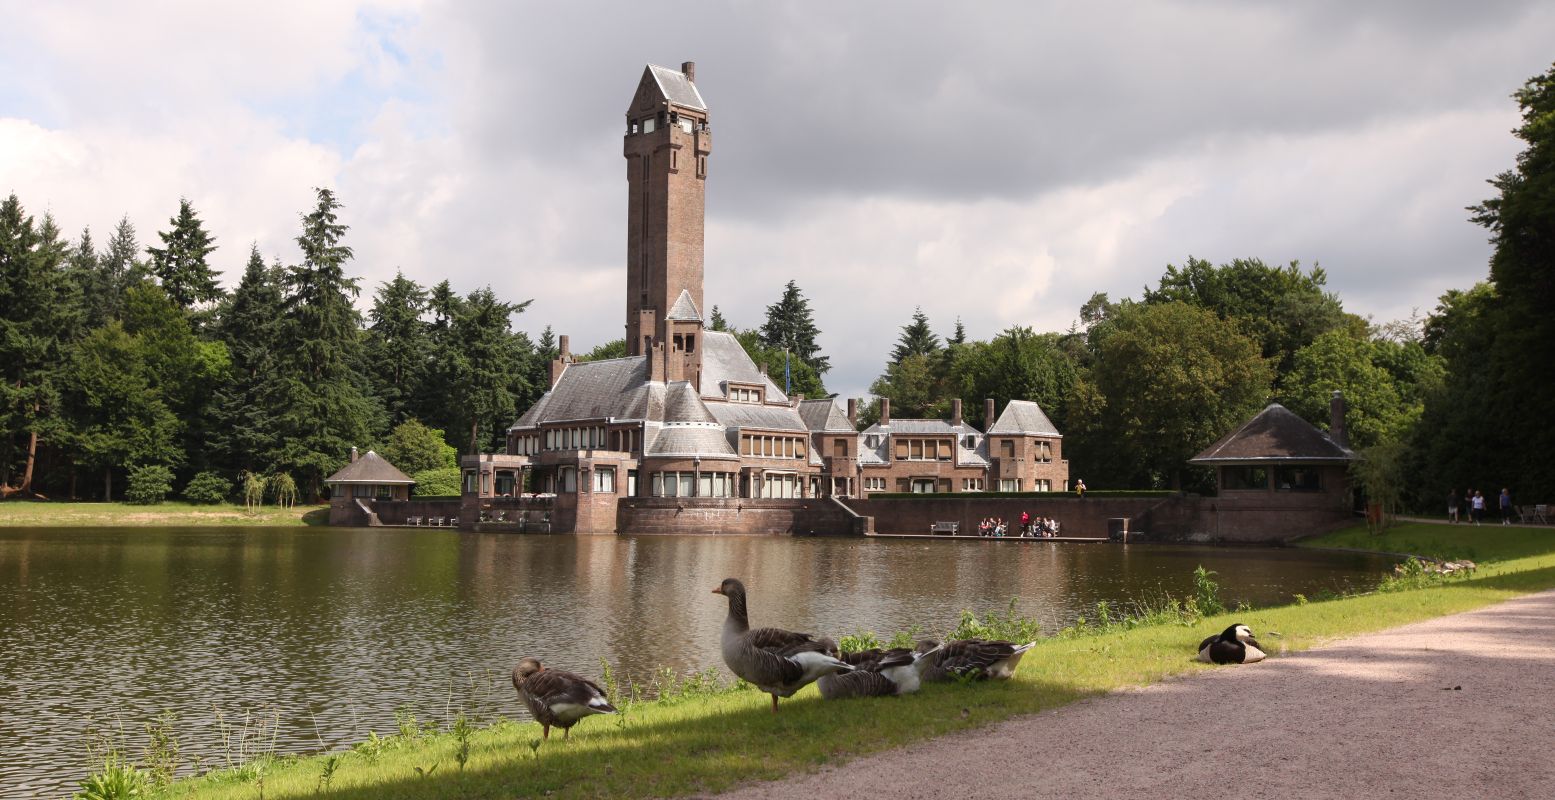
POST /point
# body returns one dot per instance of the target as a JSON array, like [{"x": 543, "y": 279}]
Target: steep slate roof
[
  {"x": 370, "y": 468},
  {"x": 677, "y": 88},
  {"x": 693, "y": 440},
  {"x": 724, "y": 360},
  {"x": 614, "y": 387},
  {"x": 755, "y": 415},
  {"x": 919, "y": 427},
  {"x": 1276, "y": 434},
  {"x": 1024, "y": 417},
  {"x": 977, "y": 455},
  {"x": 685, "y": 308},
  {"x": 681, "y": 404},
  {"x": 824, "y": 415}
]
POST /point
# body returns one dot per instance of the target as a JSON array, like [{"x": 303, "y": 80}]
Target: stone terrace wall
[
  {"x": 803, "y": 517},
  {"x": 1076, "y": 516}
]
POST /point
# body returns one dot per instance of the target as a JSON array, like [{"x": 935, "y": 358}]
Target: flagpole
[{"x": 788, "y": 375}]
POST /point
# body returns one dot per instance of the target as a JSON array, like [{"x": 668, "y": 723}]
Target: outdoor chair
[
  {"x": 1541, "y": 513},
  {"x": 412, "y": 520}
]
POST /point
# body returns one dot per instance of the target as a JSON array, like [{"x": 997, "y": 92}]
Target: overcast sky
[{"x": 996, "y": 162}]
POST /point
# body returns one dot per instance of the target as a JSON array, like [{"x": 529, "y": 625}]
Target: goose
[
  {"x": 556, "y": 697},
  {"x": 890, "y": 672},
  {"x": 775, "y": 661},
  {"x": 1234, "y": 645},
  {"x": 982, "y": 658}
]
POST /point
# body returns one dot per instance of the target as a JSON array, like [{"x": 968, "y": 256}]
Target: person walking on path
[
  {"x": 1506, "y": 507},
  {"x": 1079, "y": 487},
  {"x": 1478, "y": 506},
  {"x": 1452, "y": 506}
]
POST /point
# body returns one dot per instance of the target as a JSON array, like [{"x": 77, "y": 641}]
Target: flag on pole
[{"x": 788, "y": 375}]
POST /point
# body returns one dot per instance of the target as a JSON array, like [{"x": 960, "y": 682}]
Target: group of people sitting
[{"x": 1030, "y": 527}]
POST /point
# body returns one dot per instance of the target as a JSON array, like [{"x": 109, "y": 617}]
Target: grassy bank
[
  {"x": 50, "y": 514},
  {"x": 712, "y": 740}
]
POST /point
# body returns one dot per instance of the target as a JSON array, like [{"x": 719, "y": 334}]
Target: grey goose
[{"x": 773, "y": 660}]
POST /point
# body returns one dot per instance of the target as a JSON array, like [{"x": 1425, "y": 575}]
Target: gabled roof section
[
  {"x": 690, "y": 441},
  {"x": 825, "y": 416},
  {"x": 676, "y": 87},
  {"x": 370, "y": 468},
  {"x": 685, "y": 308},
  {"x": 615, "y": 387},
  {"x": 1023, "y": 417},
  {"x": 724, "y": 360},
  {"x": 681, "y": 404},
  {"x": 1276, "y": 434}
]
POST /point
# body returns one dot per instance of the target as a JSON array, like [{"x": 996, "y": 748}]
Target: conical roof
[
  {"x": 370, "y": 468},
  {"x": 1276, "y": 434}
]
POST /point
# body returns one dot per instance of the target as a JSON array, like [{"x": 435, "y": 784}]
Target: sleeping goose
[
  {"x": 890, "y": 672},
  {"x": 775, "y": 661},
  {"x": 982, "y": 658},
  {"x": 1234, "y": 645},
  {"x": 557, "y": 698}
]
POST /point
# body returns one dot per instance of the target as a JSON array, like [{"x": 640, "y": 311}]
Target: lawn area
[
  {"x": 1486, "y": 543},
  {"x": 50, "y": 514},
  {"x": 711, "y": 741}
]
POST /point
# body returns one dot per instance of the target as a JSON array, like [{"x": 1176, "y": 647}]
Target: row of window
[
  {"x": 740, "y": 394},
  {"x": 1286, "y": 479},
  {"x": 1041, "y": 451},
  {"x": 681, "y": 484},
  {"x": 592, "y": 438},
  {"x": 923, "y": 449},
  {"x": 772, "y": 446}
]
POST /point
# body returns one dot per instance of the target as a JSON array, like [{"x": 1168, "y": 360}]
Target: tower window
[
  {"x": 648, "y": 125},
  {"x": 691, "y": 343},
  {"x": 701, "y": 166},
  {"x": 674, "y": 160},
  {"x": 685, "y": 124}
]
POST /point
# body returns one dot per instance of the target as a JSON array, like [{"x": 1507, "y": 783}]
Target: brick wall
[{"x": 808, "y": 517}]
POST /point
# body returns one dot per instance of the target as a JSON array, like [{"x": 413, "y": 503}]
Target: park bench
[{"x": 944, "y": 527}]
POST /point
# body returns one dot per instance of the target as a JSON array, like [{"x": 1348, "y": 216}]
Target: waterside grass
[
  {"x": 716, "y": 737},
  {"x": 54, "y": 514}
]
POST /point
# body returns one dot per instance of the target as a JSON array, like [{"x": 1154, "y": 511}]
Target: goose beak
[{"x": 719, "y": 590}]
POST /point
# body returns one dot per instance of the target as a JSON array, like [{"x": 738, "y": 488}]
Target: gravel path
[{"x": 1377, "y": 715}]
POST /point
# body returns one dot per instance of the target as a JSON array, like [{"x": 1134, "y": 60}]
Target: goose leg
[
  {"x": 546, "y": 732},
  {"x": 565, "y": 733},
  {"x": 774, "y": 704}
]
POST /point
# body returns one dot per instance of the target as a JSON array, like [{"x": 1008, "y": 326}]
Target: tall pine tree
[
  {"x": 398, "y": 346},
  {"x": 326, "y": 407},
  {"x": 789, "y": 326},
  {"x": 483, "y": 364},
  {"x": 917, "y": 339},
  {"x": 247, "y": 405},
  {"x": 39, "y": 318},
  {"x": 181, "y": 264}
]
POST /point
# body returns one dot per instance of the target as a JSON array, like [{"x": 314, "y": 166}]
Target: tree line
[
  {"x": 123, "y": 359},
  {"x": 120, "y": 358}
]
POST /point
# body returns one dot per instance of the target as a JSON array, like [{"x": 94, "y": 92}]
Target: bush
[
  {"x": 207, "y": 488},
  {"x": 149, "y": 484},
  {"x": 444, "y": 481}
]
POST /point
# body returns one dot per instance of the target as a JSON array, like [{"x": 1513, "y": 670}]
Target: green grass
[
  {"x": 1438, "y": 540},
  {"x": 51, "y": 514},
  {"x": 714, "y": 740}
]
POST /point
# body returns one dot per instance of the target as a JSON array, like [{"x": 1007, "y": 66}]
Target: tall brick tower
[{"x": 666, "y": 147}]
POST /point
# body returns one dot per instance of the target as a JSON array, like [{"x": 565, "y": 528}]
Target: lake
[{"x": 313, "y": 636}]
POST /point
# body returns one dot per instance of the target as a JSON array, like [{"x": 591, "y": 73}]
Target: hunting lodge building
[{"x": 686, "y": 432}]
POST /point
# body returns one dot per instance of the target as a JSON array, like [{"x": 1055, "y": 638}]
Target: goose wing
[
  {"x": 559, "y": 689},
  {"x": 783, "y": 643},
  {"x": 965, "y": 656},
  {"x": 858, "y": 683}
]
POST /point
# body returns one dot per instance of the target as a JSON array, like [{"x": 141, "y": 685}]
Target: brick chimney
[
  {"x": 1336, "y": 429},
  {"x": 562, "y": 359},
  {"x": 689, "y": 69},
  {"x": 955, "y": 413},
  {"x": 656, "y": 363},
  {"x": 988, "y": 415},
  {"x": 353, "y": 455},
  {"x": 885, "y": 411},
  {"x": 853, "y": 412}
]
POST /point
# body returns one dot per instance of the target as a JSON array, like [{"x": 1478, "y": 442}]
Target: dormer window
[
  {"x": 686, "y": 124},
  {"x": 744, "y": 393},
  {"x": 648, "y": 125}
]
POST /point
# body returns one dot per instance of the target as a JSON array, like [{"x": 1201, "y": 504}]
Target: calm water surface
[{"x": 322, "y": 633}]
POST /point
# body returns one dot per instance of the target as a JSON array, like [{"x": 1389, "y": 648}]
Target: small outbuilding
[
  {"x": 1278, "y": 476},
  {"x": 367, "y": 478}
]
